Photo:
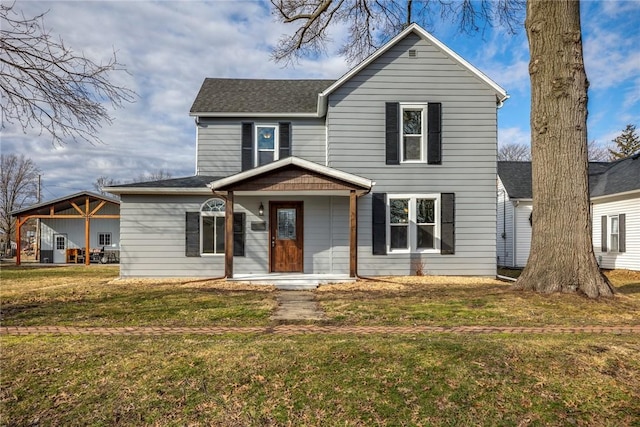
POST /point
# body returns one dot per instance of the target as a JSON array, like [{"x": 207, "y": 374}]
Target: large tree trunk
[{"x": 562, "y": 257}]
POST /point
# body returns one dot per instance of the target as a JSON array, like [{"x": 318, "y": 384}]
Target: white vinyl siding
[{"x": 613, "y": 207}]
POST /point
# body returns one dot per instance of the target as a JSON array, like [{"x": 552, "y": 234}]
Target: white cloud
[
  {"x": 169, "y": 47},
  {"x": 513, "y": 135}
]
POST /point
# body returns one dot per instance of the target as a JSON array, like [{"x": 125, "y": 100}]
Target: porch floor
[{"x": 292, "y": 281}]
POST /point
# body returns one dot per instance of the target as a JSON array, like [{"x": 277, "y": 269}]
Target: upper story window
[
  {"x": 413, "y": 222},
  {"x": 212, "y": 226},
  {"x": 266, "y": 144},
  {"x": 412, "y": 138},
  {"x": 263, "y": 143}
]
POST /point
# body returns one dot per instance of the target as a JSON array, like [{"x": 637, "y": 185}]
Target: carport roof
[{"x": 63, "y": 203}]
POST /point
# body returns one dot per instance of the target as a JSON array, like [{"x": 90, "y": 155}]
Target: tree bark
[{"x": 562, "y": 257}]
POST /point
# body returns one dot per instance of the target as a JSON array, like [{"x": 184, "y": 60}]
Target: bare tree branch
[
  {"x": 373, "y": 22},
  {"x": 18, "y": 189},
  {"x": 514, "y": 152},
  {"x": 46, "y": 85}
]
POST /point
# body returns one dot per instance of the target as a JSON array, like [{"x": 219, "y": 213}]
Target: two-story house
[{"x": 389, "y": 170}]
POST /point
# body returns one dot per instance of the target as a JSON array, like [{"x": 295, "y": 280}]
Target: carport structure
[{"x": 83, "y": 206}]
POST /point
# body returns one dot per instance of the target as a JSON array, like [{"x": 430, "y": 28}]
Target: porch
[{"x": 292, "y": 281}]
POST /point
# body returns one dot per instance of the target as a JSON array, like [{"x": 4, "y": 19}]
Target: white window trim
[
  {"x": 209, "y": 214},
  {"x": 423, "y": 145},
  {"x": 413, "y": 233},
  {"x": 105, "y": 233},
  {"x": 276, "y": 142},
  {"x": 610, "y": 233}
]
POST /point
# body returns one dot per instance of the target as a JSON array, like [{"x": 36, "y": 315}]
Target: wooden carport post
[
  {"x": 228, "y": 236},
  {"x": 87, "y": 228},
  {"x": 353, "y": 234}
]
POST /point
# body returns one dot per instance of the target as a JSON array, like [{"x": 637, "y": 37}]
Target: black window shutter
[
  {"x": 247, "y": 146},
  {"x": 238, "y": 233},
  {"x": 379, "y": 231},
  {"x": 603, "y": 233},
  {"x": 284, "y": 137},
  {"x": 192, "y": 235},
  {"x": 622, "y": 238},
  {"x": 392, "y": 127},
  {"x": 447, "y": 224},
  {"x": 434, "y": 129}
]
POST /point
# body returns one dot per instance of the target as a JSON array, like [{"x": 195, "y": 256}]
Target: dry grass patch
[{"x": 454, "y": 301}]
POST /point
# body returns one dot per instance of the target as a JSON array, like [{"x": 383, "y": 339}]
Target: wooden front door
[{"x": 285, "y": 234}]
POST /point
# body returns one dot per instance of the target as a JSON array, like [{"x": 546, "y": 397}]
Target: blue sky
[{"x": 169, "y": 47}]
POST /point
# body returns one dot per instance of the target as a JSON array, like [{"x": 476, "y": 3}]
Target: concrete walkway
[{"x": 297, "y": 305}]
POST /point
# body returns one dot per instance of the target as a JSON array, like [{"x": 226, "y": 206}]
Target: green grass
[
  {"x": 437, "y": 380},
  {"x": 82, "y": 296},
  {"x": 312, "y": 380}
]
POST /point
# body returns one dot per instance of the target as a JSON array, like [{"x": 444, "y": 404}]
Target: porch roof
[
  {"x": 293, "y": 174},
  {"x": 63, "y": 203}
]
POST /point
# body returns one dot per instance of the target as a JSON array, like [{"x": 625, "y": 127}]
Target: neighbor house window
[
  {"x": 104, "y": 239},
  {"x": 413, "y": 223},
  {"x": 614, "y": 235},
  {"x": 412, "y": 138},
  {"x": 212, "y": 226},
  {"x": 266, "y": 144}
]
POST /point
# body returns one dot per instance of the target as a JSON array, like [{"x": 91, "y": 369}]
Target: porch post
[
  {"x": 228, "y": 236},
  {"x": 18, "y": 238},
  {"x": 87, "y": 233},
  {"x": 353, "y": 235}
]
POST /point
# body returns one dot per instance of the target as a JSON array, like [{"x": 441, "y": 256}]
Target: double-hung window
[
  {"x": 413, "y": 223},
  {"x": 413, "y": 130},
  {"x": 212, "y": 227},
  {"x": 266, "y": 144},
  {"x": 614, "y": 234}
]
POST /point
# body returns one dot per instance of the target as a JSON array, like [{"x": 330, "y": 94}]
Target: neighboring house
[
  {"x": 615, "y": 207},
  {"x": 388, "y": 170},
  {"x": 72, "y": 226}
]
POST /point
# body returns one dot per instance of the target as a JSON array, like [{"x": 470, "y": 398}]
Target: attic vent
[{"x": 412, "y": 53}]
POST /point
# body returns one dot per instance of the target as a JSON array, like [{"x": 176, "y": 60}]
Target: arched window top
[{"x": 213, "y": 205}]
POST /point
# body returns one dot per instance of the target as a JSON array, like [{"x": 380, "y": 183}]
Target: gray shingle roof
[
  {"x": 604, "y": 178},
  {"x": 258, "y": 96},
  {"x": 197, "y": 181}
]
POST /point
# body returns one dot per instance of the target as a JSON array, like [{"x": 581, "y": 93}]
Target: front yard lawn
[{"x": 436, "y": 379}]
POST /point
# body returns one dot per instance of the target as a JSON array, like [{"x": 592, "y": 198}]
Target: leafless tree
[
  {"x": 597, "y": 153},
  {"x": 102, "y": 182},
  {"x": 18, "y": 188},
  {"x": 514, "y": 152},
  {"x": 47, "y": 86},
  {"x": 372, "y": 22},
  {"x": 561, "y": 257},
  {"x": 158, "y": 175}
]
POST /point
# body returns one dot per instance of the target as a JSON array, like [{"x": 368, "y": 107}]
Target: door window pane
[
  {"x": 59, "y": 242},
  {"x": 286, "y": 224}
]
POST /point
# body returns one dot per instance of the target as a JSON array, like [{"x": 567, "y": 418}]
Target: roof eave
[
  {"x": 158, "y": 190},
  {"x": 245, "y": 114}
]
